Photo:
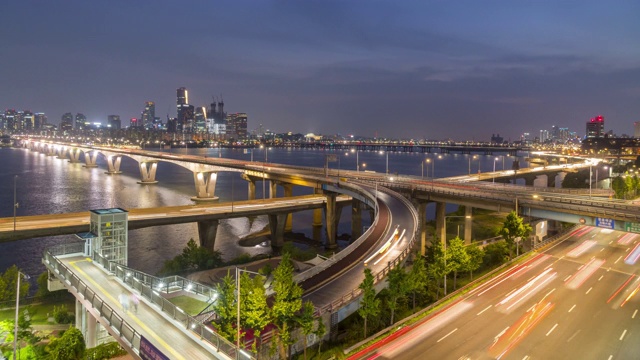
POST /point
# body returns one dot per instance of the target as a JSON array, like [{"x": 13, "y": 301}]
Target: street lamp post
[
  {"x": 15, "y": 202},
  {"x": 493, "y": 180},
  {"x": 471, "y": 158},
  {"x": 15, "y": 326},
  {"x": 590, "y": 173},
  {"x": 238, "y": 270},
  {"x": 445, "y": 245},
  {"x": 357, "y": 159}
]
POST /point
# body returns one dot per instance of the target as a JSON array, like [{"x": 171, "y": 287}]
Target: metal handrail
[{"x": 126, "y": 331}]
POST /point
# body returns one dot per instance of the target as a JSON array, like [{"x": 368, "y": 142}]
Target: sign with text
[
  {"x": 332, "y": 158},
  {"x": 149, "y": 352},
  {"x": 632, "y": 227},
  {"x": 604, "y": 223}
]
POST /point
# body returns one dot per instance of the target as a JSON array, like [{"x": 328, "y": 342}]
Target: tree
[
  {"x": 369, "y": 305},
  {"x": 8, "y": 284},
  {"x": 225, "y": 307},
  {"x": 70, "y": 346},
  {"x": 496, "y": 253},
  {"x": 476, "y": 255},
  {"x": 254, "y": 310},
  {"x": 397, "y": 286},
  {"x": 319, "y": 332},
  {"x": 306, "y": 321},
  {"x": 512, "y": 229},
  {"x": 458, "y": 258},
  {"x": 286, "y": 304},
  {"x": 619, "y": 187},
  {"x": 193, "y": 258},
  {"x": 436, "y": 269},
  {"x": 417, "y": 278},
  {"x": 577, "y": 180}
]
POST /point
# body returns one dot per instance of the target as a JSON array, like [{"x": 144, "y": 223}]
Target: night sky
[{"x": 457, "y": 70}]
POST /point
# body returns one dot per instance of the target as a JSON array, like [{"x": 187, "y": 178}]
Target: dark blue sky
[{"x": 403, "y": 69}]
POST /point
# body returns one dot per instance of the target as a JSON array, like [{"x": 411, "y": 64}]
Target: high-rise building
[
  {"x": 113, "y": 121},
  {"x": 81, "y": 122},
  {"x": 28, "y": 120},
  {"x": 66, "y": 123},
  {"x": 39, "y": 120},
  {"x": 595, "y": 127},
  {"x": 636, "y": 129},
  {"x": 134, "y": 123},
  {"x": 544, "y": 136},
  {"x": 186, "y": 112},
  {"x": 200, "y": 119},
  {"x": 148, "y": 115},
  {"x": 237, "y": 125}
]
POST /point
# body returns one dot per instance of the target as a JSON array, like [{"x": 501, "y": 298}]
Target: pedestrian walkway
[{"x": 168, "y": 336}]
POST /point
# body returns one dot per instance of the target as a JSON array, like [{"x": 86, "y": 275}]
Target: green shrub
[
  {"x": 61, "y": 315},
  {"x": 105, "y": 351}
]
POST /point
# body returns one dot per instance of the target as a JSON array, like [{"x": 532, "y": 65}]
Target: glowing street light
[
  {"x": 471, "y": 158},
  {"x": 494, "y": 170}
]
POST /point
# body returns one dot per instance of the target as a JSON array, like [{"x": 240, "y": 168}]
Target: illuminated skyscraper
[
  {"x": 81, "y": 122},
  {"x": 66, "y": 123},
  {"x": 148, "y": 115},
  {"x": 185, "y": 111},
  {"x": 636, "y": 129},
  {"x": 40, "y": 120},
  {"x": 595, "y": 127},
  {"x": 113, "y": 121}
]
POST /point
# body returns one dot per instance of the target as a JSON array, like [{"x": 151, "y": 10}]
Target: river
[{"x": 48, "y": 185}]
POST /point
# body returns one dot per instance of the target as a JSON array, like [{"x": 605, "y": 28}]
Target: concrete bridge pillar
[
  {"x": 87, "y": 324},
  {"x": 330, "y": 219},
  {"x": 207, "y": 231},
  {"x": 205, "y": 182},
  {"x": 559, "y": 179},
  {"x": 148, "y": 172},
  {"x": 273, "y": 187},
  {"x": 251, "y": 190},
  {"x": 90, "y": 158},
  {"x": 356, "y": 219},
  {"x": 62, "y": 152},
  {"x": 317, "y": 213},
  {"x": 288, "y": 192},
  {"x": 422, "y": 221},
  {"x": 541, "y": 181},
  {"x": 440, "y": 219},
  {"x": 113, "y": 164},
  {"x": 74, "y": 155},
  {"x": 468, "y": 223},
  {"x": 51, "y": 150},
  {"x": 276, "y": 226}
]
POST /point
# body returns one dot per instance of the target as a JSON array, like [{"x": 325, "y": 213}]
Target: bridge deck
[{"x": 168, "y": 336}]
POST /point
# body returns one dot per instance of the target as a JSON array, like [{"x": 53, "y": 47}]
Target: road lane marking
[
  {"x": 588, "y": 290},
  {"x": 452, "y": 331},
  {"x": 618, "y": 259},
  {"x": 623, "y": 334},
  {"x": 601, "y": 250},
  {"x": 553, "y": 328},
  {"x": 600, "y": 278},
  {"x": 627, "y": 250},
  {"x": 549, "y": 293},
  {"x": 573, "y": 307},
  {"x": 487, "y": 308},
  {"x": 572, "y": 336},
  {"x": 567, "y": 278},
  {"x": 610, "y": 357},
  {"x": 634, "y": 314}
]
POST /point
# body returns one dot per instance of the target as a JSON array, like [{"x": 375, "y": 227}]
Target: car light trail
[
  {"x": 584, "y": 273},
  {"x": 581, "y": 249},
  {"x": 633, "y": 256}
]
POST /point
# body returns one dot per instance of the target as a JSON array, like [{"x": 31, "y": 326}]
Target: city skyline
[{"x": 408, "y": 70}]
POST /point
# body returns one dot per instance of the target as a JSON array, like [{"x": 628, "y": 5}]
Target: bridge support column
[
  {"x": 51, "y": 151},
  {"x": 90, "y": 158},
  {"x": 148, "y": 172},
  {"x": 330, "y": 219},
  {"x": 356, "y": 219},
  {"x": 251, "y": 187},
  {"x": 87, "y": 324},
  {"x": 558, "y": 179},
  {"x": 113, "y": 164},
  {"x": 468, "y": 223},
  {"x": 276, "y": 226},
  {"x": 205, "y": 186},
  {"x": 288, "y": 192},
  {"x": 422, "y": 221},
  {"x": 207, "y": 231},
  {"x": 74, "y": 155},
  {"x": 273, "y": 187},
  {"x": 440, "y": 219},
  {"x": 62, "y": 152}
]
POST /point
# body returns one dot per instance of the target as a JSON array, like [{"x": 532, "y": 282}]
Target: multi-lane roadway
[{"x": 577, "y": 300}]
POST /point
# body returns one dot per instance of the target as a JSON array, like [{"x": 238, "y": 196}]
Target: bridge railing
[
  {"x": 380, "y": 275},
  {"x": 144, "y": 284},
  {"x": 106, "y": 312},
  {"x": 349, "y": 249}
]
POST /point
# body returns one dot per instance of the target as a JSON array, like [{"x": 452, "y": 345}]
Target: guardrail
[
  {"x": 378, "y": 276},
  {"x": 315, "y": 270},
  {"x": 117, "y": 323}
]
